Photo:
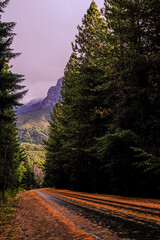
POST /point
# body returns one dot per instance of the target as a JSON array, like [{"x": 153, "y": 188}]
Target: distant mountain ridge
[
  {"x": 32, "y": 123},
  {"x": 53, "y": 95}
]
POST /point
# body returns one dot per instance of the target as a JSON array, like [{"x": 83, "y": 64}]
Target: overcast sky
[{"x": 45, "y": 30}]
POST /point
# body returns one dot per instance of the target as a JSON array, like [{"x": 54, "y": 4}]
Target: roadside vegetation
[
  {"x": 16, "y": 169},
  {"x": 8, "y": 205}
]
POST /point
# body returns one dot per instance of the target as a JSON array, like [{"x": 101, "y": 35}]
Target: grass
[{"x": 8, "y": 205}]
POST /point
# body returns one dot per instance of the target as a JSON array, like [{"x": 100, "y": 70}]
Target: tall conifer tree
[
  {"x": 135, "y": 36},
  {"x": 81, "y": 101},
  {"x": 10, "y": 93},
  {"x": 56, "y": 166},
  {"x": 87, "y": 46},
  {"x": 10, "y": 88}
]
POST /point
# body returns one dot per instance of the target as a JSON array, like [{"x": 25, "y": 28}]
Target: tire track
[
  {"x": 105, "y": 215},
  {"x": 140, "y": 213}
]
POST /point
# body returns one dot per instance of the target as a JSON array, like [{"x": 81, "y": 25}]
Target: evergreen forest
[
  {"x": 104, "y": 134},
  {"x": 15, "y": 170}
]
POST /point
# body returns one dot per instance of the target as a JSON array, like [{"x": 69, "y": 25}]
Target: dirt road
[
  {"x": 35, "y": 220},
  {"x": 105, "y": 216}
]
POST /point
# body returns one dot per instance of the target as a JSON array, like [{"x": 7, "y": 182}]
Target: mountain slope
[{"x": 32, "y": 123}]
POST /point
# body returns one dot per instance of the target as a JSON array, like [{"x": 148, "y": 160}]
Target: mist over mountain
[
  {"x": 32, "y": 123},
  {"x": 50, "y": 100}
]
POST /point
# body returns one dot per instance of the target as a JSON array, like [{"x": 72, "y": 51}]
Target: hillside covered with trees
[
  {"x": 104, "y": 133},
  {"x": 32, "y": 124}
]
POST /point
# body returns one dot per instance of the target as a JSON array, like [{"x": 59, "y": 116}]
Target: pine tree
[
  {"x": 132, "y": 74},
  {"x": 56, "y": 165},
  {"x": 10, "y": 89},
  {"x": 86, "y": 106},
  {"x": 88, "y": 38},
  {"x": 10, "y": 93},
  {"x": 70, "y": 96},
  {"x": 81, "y": 105},
  {"x": 135, "y": 36},
  {"x": 9, "y": 153}
]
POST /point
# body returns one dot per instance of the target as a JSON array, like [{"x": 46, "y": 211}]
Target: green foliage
[
  {"x": 54, "y": 166},
  {"x": 110, "y": 104},
  {"x": 11, "y": 92},
  {"x": 8, "y": 204},
  {"x": 146, "y": 161},
  {"x": 135, "y": 74},
  {"x": 27, "y": 181},
  {"x": 35, "y": 154},
  {"x": 10, "y": 155},
  {"x": 117, "y": 158}
]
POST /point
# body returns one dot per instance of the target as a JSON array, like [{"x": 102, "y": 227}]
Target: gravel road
[{"x": 105, "y": 216}]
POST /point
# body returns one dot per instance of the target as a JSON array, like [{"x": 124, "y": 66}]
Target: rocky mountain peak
[{"x": 53, "y": 95}]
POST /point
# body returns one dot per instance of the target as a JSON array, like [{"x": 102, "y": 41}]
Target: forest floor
[{"x": 35, "y": 220}]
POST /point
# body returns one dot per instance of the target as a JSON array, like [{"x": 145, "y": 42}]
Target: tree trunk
[{"x": 5, "y": 170}]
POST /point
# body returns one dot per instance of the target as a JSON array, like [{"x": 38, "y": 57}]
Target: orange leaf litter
[{"x": 36, "y": 220}]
